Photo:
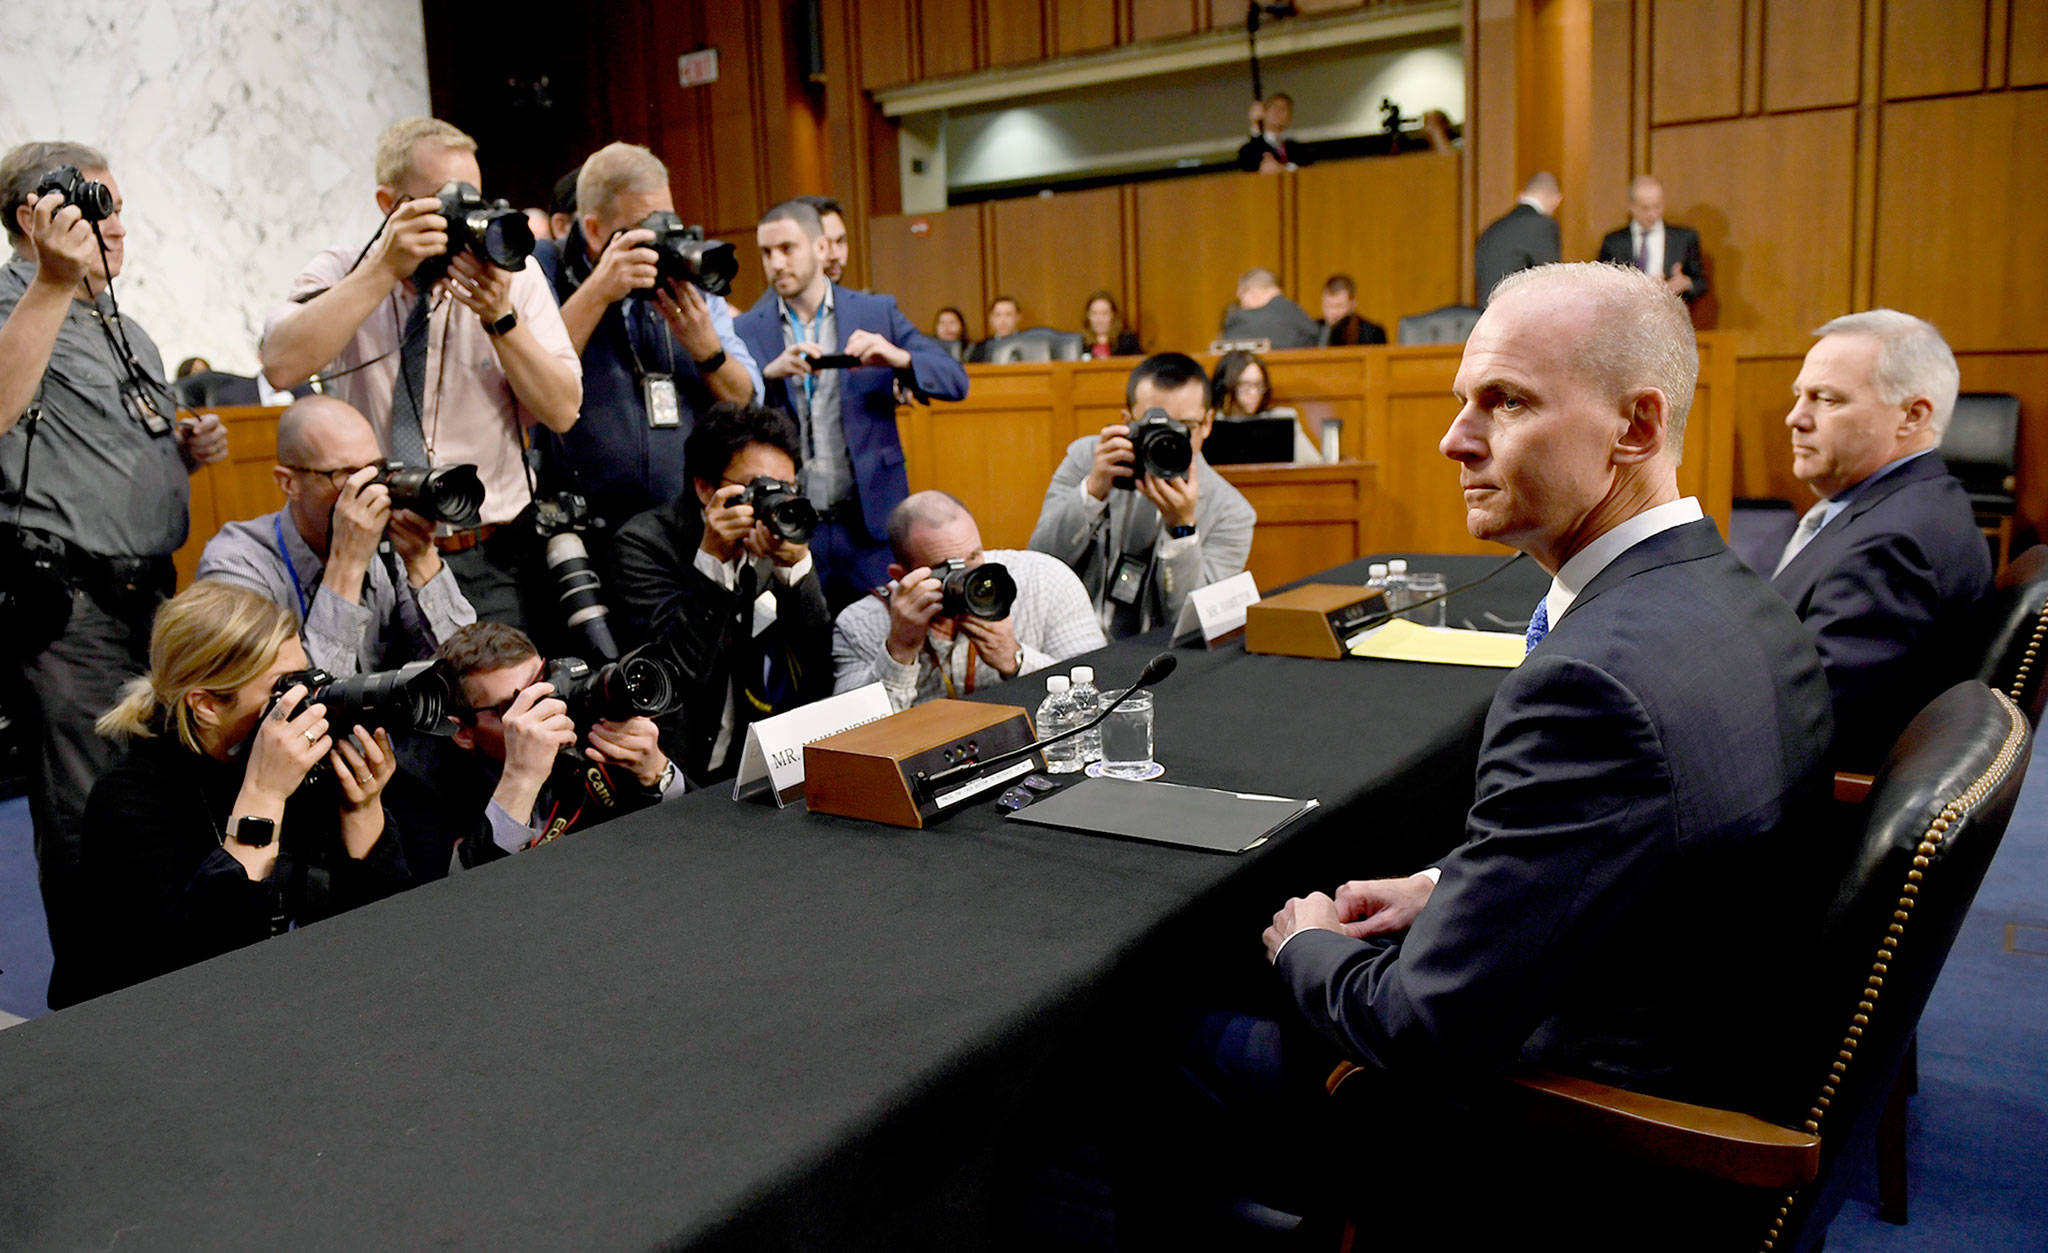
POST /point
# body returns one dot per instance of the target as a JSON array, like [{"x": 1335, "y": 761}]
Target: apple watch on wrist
[
  {"x": 504, "y": 325},
  {"x": 255, "y": 832},
  {"x": 1182, "y": 531},
  {"x": 711, "y": 364}
]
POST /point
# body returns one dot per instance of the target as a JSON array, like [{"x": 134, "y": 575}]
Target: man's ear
[
  {"x": 1918, "y": 416},
  {"x": 897, "y": 572},
  {"x": 286, "y": 482},
  {"x": 464, "y": 735},
  {"x": 591, "y": 239},
  {"x": 388, "y": 199},
  {"x": 1647, "y": 419}
]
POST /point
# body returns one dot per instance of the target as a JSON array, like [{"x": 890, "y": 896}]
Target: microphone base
[{"x": 880, "y": 772}]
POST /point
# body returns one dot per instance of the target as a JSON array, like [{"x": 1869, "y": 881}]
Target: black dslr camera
[
  {"x": 415, "y": 697},
  {"x": 685, "y": 256},
  {"x": 984, "y": 591},
  {"x": 452, "y": 494},
  {"x": 788, "y": 515},
  {"x": 640, "y": 685},
  {"x": 95, "y": 203},
  {"x": 491, "y": 231},
  {"x": 1161, "y": 449}
]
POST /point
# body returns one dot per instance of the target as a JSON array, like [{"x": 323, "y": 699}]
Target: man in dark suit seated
[
  {"x": 1650, "y": 244},
  {"x": 738, "y": 604},
  {"x": 1887, "y": 566},
  {"x": 853, "y": 454},
  {"x": 1526, "y": 235},
  {"x": 1633, "y": 779},
  {"x": 1343, "y": 325},
  {"x": 1263, "y": 311}
]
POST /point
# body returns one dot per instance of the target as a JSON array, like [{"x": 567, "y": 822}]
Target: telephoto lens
[
  {"x": 451, "y": 494},
  {"x": 415, "y": 697},
  {"x": 983, "y": 591},
  {"x": 95, "y": 203},
  {"x": 789, "y": 517},
  {"x": 492, "y": 231},
  {"x": 641, "y": 685},
  {"x": 580, "y": 593},
  {"x": 709, "y": 265},
  {"x": 1161, "y": 449}
]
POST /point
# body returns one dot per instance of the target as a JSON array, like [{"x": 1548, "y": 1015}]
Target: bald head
[
  {"x": 932, "y": 526},
  {"x": 1542, "y": 188},
  {"x": 319, "y": 432},
  {"x": 1646, "y": 201}
]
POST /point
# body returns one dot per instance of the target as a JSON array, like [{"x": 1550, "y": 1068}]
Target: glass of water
[
  {"x": 1127, "y": 738},
  {"x": 1421, "y": 586}
]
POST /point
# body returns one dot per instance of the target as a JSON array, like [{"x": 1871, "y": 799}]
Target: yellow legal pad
[{"x": 1402, "y": 640}]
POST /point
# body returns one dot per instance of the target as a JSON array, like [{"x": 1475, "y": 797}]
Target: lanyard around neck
[
  {"x": 812, "y": 333},
  {"x": 291, "y": 571}
]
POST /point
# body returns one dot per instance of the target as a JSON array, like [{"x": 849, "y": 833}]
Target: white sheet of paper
[
  {"x": 1216, "y": 612},
  {"x": 773, "y": 759}
]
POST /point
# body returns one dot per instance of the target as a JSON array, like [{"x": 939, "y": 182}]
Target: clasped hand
[
  {"x": 730, "y": 529},
  {"x": 1361, "y": 908},
  {"x": 1115, "y": 458}
]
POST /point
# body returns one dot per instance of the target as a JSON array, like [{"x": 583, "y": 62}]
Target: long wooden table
[{"x": 1391, "y": 491}]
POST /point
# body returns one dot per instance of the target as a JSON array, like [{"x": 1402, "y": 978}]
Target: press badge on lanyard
[
  {"x": 663, "y": 407},
  {"x": 145, "y": 408}
]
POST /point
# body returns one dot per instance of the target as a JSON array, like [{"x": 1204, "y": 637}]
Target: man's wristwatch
[
  {"x": 711, "y": 364},
  {"x": 255, "y": 832},
  {"x": 668, "y": 776},
  {"x": 1181, "y": 532},
  {"x": 504, "y": 325}
]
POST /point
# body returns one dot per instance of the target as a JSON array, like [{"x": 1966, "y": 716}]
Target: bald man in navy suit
[{"x": 1886, "y": 569}]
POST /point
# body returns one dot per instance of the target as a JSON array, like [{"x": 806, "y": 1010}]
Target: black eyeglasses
[{"x": 339, "y": 475}]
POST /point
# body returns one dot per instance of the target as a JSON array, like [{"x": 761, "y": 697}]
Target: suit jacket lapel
[
  {"x": 1797, "y": 580},
  {"x": 1689, "y": 542}
]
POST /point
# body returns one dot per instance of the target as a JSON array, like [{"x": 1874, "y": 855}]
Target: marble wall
[{"x": 242, "y": 133}]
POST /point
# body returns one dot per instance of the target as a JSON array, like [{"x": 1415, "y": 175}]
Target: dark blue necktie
[{"x": 1539, "y": 625}]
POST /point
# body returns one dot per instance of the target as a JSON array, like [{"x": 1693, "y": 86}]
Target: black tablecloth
[{"x": 708, "y": 1023}]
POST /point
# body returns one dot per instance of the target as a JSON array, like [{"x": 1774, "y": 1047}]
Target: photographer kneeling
[
  {"x": 359, "y": 607},
  {"x": 207, "y": 836},
  {"x": 722, "y": 577},
  {"x": 528, "y": 783}
]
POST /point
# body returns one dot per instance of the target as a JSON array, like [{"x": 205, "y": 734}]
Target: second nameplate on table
[{"x": 1167, "y": 813}]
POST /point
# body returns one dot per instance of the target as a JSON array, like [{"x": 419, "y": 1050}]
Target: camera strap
[{"x": 658, "y": 394}]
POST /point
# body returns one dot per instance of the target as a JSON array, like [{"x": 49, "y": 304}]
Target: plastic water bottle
[
  {"x": 1397, "y": 585},
  {"x": 1376, "y": 577},
  {"x": 1087, "y": 703},
  {"x": 1056, "y": 716}
]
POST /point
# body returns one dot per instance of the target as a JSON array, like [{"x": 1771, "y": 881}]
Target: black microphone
[{"x": 1155, "y": 670}]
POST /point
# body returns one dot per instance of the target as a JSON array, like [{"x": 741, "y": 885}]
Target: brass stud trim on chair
[{"x": 1928, "y": 848}]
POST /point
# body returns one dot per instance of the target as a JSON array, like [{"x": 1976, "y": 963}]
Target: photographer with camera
[
  {"x": 360, "y": 605},
  {"x": 722, "y": 577},
  {"x": 94, "y": 497},
  {"x": 444, "y": 334},
  {"x": 644, "y": 304},
  {"x": 1174, "y": 526},
  {"x": 954, "y": 618},
  {"x": 209, "y": 834},
  {"x": 517, "y": 778},
  {"x": 846, "y": 409}
]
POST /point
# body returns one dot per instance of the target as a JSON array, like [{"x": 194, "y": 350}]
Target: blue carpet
[{"x": 24, "y": 942}]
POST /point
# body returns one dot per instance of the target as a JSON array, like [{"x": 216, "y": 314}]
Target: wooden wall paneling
[
  {"x": 239, "y": 488},
  {"x": 1420, "y": 508},
  {"x": 1540, "y": 90},
  {"x": 997, "y": 450},
  {"x": 1310, "y": 517},
  {"x": 1163, "y": 19},
  {"x": 738, "y": 112},
  {"x": 947, "y": 34},
  {"x": 1082, "y": 26},
  {"x": 1763, "y": 449},
  {"x": 884, "y": 34},
  {"x": 749, "y": 283},
  {"x": 941, "y": 267},
  {"x": 1696, "y": 51},
  {"x": 2027, "y": 41},
  {"x": 1390, "y": 223},
  {"x": 1050, "y": 252},
  {"x": 1933, "y": 47},
  {"x": 1966, "y": 260},
  {"x": 1997, "y": 23},
  {"x": 1772, "y": 200},
  {"x": 1195, "y": 236},
  {"x": 1491, "y": 63},
  {"x": 1018, "y": 31},
  {"x": 1320, "y": 387},
  {"x": 1708, "y": 468},
  {"x": 1610, "y": 113},
  {"x": 1809, "y": 53}
]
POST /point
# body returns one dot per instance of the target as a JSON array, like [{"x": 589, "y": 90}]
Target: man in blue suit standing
[
  {"x": 853, "y": 456},
  {"x": 1886, "y": 568}
]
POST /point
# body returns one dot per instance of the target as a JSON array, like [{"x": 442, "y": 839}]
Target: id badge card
[
  {"x": 146, "y": 409},
  {"x": 1129, "y": 580},
  {"x": 664, "y": 408}
]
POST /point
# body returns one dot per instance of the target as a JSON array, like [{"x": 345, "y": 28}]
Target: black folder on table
[{"x": 1166, "y": 813}]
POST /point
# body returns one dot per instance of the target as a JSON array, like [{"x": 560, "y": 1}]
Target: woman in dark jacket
[
  {"x": 1103, "y": 323},
  {"x": 208, "y": 835}
]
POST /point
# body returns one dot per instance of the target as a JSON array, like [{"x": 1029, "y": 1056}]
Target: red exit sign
[{"x": 698, "y": 68}]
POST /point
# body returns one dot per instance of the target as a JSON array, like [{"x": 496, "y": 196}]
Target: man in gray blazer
[{"x": 1141, "y": 550}]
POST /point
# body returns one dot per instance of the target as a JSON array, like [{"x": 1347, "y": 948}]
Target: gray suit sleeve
[{"x": 1064, "y": 527}]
